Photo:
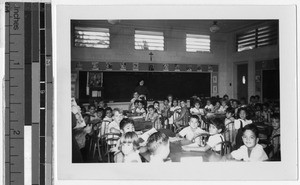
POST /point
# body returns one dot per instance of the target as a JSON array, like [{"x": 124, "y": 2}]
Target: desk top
[{"x": 176, "y": 153}]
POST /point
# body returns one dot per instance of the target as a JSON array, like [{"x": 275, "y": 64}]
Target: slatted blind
[
  {"x": 149, "y": 40},
  {"x": 197, "y": 43},
  {"x": 91, "y": 37},
  {"x": 259, "y": 37}
]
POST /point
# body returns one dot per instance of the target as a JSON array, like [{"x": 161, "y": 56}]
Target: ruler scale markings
[{"x": 35, "y": 39}]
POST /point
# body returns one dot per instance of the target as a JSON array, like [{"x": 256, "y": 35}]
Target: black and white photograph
[
  {"x": 218, "y": 114},
  {"x": 179, "y": 119}
]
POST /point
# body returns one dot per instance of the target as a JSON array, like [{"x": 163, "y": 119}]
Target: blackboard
[{"x": 119, "y": 86}]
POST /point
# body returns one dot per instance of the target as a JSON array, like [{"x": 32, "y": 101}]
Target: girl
[
  {"x": 153, "y": 117},
  {"x": 196, "y": 110},
  {"x": 216, "y": 107},
  {"x": 129, "y": 149},
  {"x": 238, "y": 125},
  {"x": 209, "y": 107},
  {"x": 173, "y": 111}
]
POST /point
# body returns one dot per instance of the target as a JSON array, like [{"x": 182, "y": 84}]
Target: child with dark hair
[
  {"x": 276, "y": 132},
  {"x": 153, "y": 117},
  {"x": 192, "y": 131},
  {"x": 216, "y": 127},
  {"x": 251, "y": 150},
  {"x": 159, "y": 147},
  {"x": 238, "y": 125}
]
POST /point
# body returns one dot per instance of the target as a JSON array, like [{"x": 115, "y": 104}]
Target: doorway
[
  {"x": 242, "y": 81},
  {"x": 270, "y": 84}
]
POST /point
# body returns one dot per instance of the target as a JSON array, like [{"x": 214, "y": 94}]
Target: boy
[
  {"x": 159, "y": 147},
  {"x": 182, "y": 120},
  {"x": 251, "y": 150},
  {"x": 192, "y": 130},
  {"x": 216, "y": 127}
]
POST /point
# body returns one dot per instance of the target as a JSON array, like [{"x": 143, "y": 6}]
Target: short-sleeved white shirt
[
  {"x": 237, "y": 123},
  {"x": 140, "y": 111},
  {"x": 209, "y": 107},
  {"x": 133, "y": 157},
  {"x": 214, "y": 140},
  {"x": 189, "y": 134},
  {"x": 257, "y": 154},
  {"x": 197, "y": 111}
]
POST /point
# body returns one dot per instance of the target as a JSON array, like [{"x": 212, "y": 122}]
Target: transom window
[
  {"x": 259, "y": 37},
  {"x": 149, "y": 40},
  {"x": 197, "y": 43},
  {"x": 91, "y": 37}
]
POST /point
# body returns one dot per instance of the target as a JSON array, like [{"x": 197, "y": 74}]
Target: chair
[
  {"x": 228, "y": 134},
  {"x": 203, "y": 138},
  {"x": 226, "y": 147},
  {"x": 111, "y": 140}
]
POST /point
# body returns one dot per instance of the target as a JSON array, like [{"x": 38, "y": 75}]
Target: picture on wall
[
  {"x": 165, "y": 67},
  {"x": 123, "y": 66},
  {"x": 135, "y": 66}
]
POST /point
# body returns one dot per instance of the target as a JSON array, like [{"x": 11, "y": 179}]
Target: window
[
  {"x": 149, "y": 40},
  {"x": 197, "y": 43},
  {"x": 91, "y": 37},
  {"x": 259, "y": 37}
]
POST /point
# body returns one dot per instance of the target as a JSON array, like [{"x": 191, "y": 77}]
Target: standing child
[
  {"x": 159, "y": 147},
  {"x": 153, "y": 117},
  {"x": 216, "y": 127},
  {"x": 182, "y": 119},
  {"x": 251, "y": 150},
  {"x": 238, "y": 125},
  {"x": 192, "y": 131}
]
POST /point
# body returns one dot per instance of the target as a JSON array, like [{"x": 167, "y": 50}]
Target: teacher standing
[{"x": 142, "y": 90}]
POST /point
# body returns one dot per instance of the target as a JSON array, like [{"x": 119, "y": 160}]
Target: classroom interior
[{"x": 190, "y": 60}]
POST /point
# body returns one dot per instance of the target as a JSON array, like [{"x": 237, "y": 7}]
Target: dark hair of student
[
  {"x": 151, "y": 107},
  {"x": 155, "y": 102},
  {"x": 194, "y": 116},
  {"x": 125, "y": 122},
  {"x": 108, "y": 109},
  {"x": 275, "y": 116},
  {"x": 230, "y": 110},
  {"x": 218, "y": 123},
  {"x": 155, "y": 140},
  {"x": 251, "y": 127},
  {"x": 242, "y": 108},
  {"x": 90, "y": 106}
]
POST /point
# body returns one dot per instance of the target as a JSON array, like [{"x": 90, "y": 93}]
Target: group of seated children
[{"x": 235, "y": 127}]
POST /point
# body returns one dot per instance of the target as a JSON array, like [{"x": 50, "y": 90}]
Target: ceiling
[{"x": 226, "y": 26}]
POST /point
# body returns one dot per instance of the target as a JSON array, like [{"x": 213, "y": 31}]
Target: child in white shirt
[
  {"x": 159, "y": 147},
  {"x": 153, "y": 117},
  {"x": 240, "y": 123},
  {"x": 223, "y": 107},
  {"x": 192, "y": 130},
  {"x": 251, "y": 150},
  {"x": 140, "y": 109},
  {"x": 216, "y": 127},
  {"x": 174, "y": 111}
]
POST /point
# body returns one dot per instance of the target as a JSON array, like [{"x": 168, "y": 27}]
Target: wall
[
  {"x": 122, "y": 50},
  {"x": 249, "y": 57}
]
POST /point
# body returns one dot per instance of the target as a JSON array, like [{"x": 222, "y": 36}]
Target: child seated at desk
[
  {"x": 192, "y": 130},
  {"x": 128, "y": 149},
  {"x": 216, "y": 127},
  {"x": 196, "y": 110},
  {"x": 251, "y": 150},
  {"x": 182, "y": 119},
  {"x": 108, "y": 114},
  {"x": 174, "y": 111},
  {"x": 140, "y": 109},
  {"x": 153, "y": 117},
  {"x": 276, "y": 131},
  {"x": 159, "y": 147},
  {"x": 223, "y": 107}
]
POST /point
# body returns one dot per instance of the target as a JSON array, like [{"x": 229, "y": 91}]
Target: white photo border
[{"x": 66, "y": 170}]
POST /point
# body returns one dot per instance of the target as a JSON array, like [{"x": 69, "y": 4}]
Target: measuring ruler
[{"x": 28, "y": 92}]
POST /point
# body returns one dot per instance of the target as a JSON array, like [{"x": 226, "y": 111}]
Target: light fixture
[
  {"x": 214, "y": 28},
  {"x": 113, "y": 21}
]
